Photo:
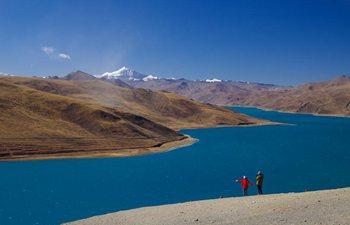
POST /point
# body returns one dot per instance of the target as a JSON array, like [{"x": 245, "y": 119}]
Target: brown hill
[
  {"x": 165, "y": 108},
  {"x": 220, "y": 93},
  {"x": 43, "y": 118},
  {"x": 117, "y": 82},
  {"x": 38, "y": 124},
  {"x": 327, "y": 98},
  {"x": 79, "y": 75}
]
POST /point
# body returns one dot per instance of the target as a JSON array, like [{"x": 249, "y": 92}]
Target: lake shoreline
[
  {"x": 316, "y": 207},
  {"x": 168, "y": 146},
  {"x": 264, "y": 123},
  {"x": 204, "y": 170},
  {"x": 289, "y": 112}
]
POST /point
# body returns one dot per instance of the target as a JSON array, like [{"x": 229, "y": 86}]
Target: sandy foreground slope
[{"x": 319, "y": 207}]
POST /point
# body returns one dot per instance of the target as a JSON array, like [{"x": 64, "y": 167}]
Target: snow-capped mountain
[
  {"x": 126, "y": 74},
  {"x": 214, "y": 80},
  {"x": 131, "y": 76},
  {"x": 5, "y": 74}
]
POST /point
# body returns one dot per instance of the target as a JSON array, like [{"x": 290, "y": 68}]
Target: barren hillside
[
  {"x": 83, "y": 116},
  {"x": 326, "y": 98}
]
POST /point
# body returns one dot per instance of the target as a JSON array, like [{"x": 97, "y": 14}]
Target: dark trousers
[
  {"x": 245, "y": 192},
  {"x": 260, "y": 191}
]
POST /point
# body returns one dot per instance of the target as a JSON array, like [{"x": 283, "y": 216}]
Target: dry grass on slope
[
  {"x": 33, "y": 122},
  {"x": 81, "y": 116},
  {"x": 325, "y": 98},
  {"x": 166, "y": 108}
]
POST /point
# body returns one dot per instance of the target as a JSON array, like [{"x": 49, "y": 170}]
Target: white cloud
[
  {"x": 63, "y": 56},
  {"x": 47, "y": 50},
  {"x": 52, "y": 53}
]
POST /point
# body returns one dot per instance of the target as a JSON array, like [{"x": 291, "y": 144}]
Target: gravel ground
[{"x": 329, "y": 207}]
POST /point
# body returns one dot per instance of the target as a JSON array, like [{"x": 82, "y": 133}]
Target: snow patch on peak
[
  {"x": 123, "y": 73},
  {"x": 123, "y": 69},
  {"x": 214, "y": 80},
  {"x": 127, "y": 74},
  {"x": 6, "y": 74},
  {"x": 150, "y": 77}
]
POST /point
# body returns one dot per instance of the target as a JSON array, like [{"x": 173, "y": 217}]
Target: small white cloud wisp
[
  {"x": 51, "y": 52},
  {"x": 64, "y": 56},
  {"x": 47, "y": 50}
]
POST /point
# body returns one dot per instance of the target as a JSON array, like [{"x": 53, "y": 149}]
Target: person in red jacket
[{"x": 245, "y": 182}]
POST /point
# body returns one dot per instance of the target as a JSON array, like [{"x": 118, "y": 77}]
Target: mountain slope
[
  {"x": 45, "y": 118},
  {"x": 220, "y": 93},
  {"x": 35, "y": 123},
  {"x": 124, "y": 73},
  {"x": 307, "y": 208},
  {"x": 165, "y": 108},
  {"x": 78, "y": 75},
  {"x": 326, "y": 98}
]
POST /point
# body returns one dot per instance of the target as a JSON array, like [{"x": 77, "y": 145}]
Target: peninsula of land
[{"x": 79, "y": 115}]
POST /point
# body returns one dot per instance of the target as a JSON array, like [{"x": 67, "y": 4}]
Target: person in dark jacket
[
  {"x": 259, "y": 182},
  {"x": 245, "y": 182}
]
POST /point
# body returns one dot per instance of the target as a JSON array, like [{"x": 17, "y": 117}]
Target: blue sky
[{"x": 282, "y": 42}]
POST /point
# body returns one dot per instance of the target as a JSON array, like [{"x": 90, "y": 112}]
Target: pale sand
[{"x": 320, "y": 207}]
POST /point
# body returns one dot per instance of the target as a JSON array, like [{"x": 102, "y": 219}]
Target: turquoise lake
[{"x": 312, "y": 154}]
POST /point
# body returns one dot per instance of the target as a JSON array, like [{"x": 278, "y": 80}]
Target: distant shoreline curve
[
  {"x": 167, "y": 146},
  {"x": 290, "y": 112}
]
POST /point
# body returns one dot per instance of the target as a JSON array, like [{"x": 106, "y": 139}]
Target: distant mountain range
[
  {"x": 326, "y": 97},
  {"x": 130, "y": 75},
  {"x": 5, "y": 74}
]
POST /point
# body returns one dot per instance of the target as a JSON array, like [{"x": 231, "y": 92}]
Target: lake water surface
[{"x": 312, "y": 154}]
